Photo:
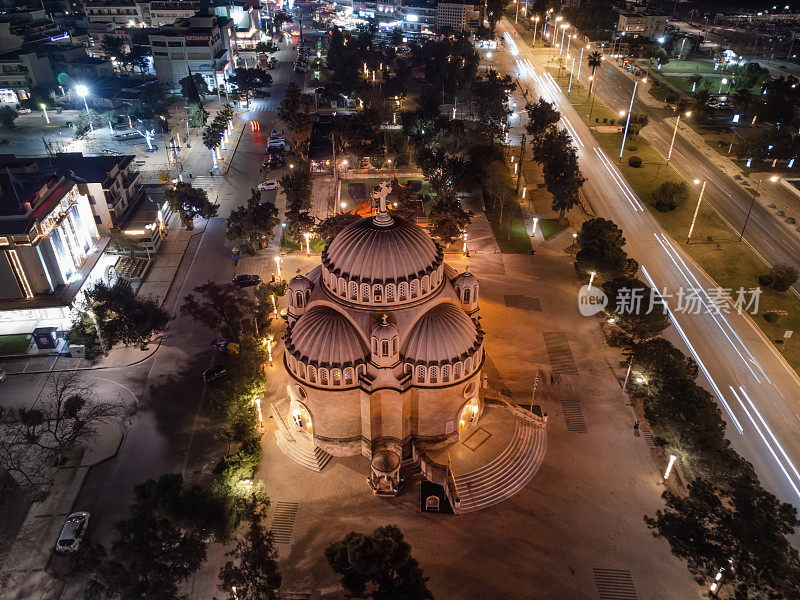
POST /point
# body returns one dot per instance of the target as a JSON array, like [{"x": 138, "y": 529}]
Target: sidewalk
[{"x": 33, "y": 569}]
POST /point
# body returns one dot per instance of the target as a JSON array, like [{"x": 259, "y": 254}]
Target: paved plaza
[{"x": 575, "y": 531}]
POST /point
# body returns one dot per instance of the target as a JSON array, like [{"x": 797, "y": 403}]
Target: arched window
[
  {"x": 348, "y": 376},
  {"x": 425, "y": 281},
  {"x": 377, "y": 293},
  {"x": 420, "y": 373},
  {"x": 374, "y": 345},
  {"x": 475, "y": 294},
  {"x": 301, "y": 369},
  {"x": 299, "y": 299},
  {"x": 468, "y": 366},
  {"x": 446, "y": 373},
  {"x": 312, "y": 374},
  {"x": 365, "y": 292},
  {"x": 342, "y": 287},
  {"x": 466, "y": 295},
  {"x": 456, "y": 370},
  {"x": 414, "y": 288},
  {"x": 394, "y": 345},
  {"x": 434, "y": 374},
  {"x": 336, "y": 376},
  {"x": 353, "y": 290},
  {"x": 403, "y": 290},
  {"x": 385, "y": 347},
  {"x": 390, "y": 292},
  {"x": 323, "y": 376}
]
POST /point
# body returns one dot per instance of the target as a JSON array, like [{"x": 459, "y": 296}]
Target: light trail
[
  {"x": 620, "y": 181},
  {"x": 695, "y": 355}
]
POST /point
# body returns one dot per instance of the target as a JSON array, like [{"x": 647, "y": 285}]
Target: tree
[
  {"x": 148, "y": 560},
  {"x": 122, "y": 316},
  {"x": 447, "y": 219},
  {"x": 541, "y": 117},
  {"x": 249, "y": 80},
  {"x": 293, "y": 109},
  {"x": 637, "y": 122},
  {"x": 559, "y": 160},
  {"x": 212, "y": 134},
  {"x": 637, "y": 309},
  {"x": 139, "y": 56},
  {"x": 670, "y": 195},
  {"x": 7, "y": 116},
  {"x": 594, "y": 60},
  {"x": 601, "y": 250},
  {"x": 113, "y": 45},
  {"x": 123, "y": 243},
  {"x": 329, "y": 228},
  {"x": 196, "y": 114},
  {"x": 222, "y": 307},
  {"x": 254, "y": 222},
  {"x": 194, "y": 87},
  {"x": 406, "y": 199},
  {"x": 783, "y": 277},
  {"x": 190, "y": 202},
  {"x": 267, "y": 47},
  {"x": 255, "y": 574},
  {"x": 494, "y": 12},
  {"x": 657, "y": 361},
  {"x": 381, "y": 560},
  {"x": 736, "y": 528}
]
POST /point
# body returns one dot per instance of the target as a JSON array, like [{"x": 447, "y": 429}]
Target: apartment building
[
  {"x": 457, "y": 16},
  {"x": 200, "y": 44},
  {"x": 642, "y": 21}
]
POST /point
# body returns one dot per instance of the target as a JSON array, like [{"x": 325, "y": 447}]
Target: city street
[
  {"x": 167, "y": 429},
  {"x": 757, "y": 390}
]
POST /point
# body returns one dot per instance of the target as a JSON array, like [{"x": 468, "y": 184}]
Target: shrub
[
  {"x": 612, "y": 121},
  {"x": 597, "y": 119},
  {"x": 635, "y": 162},
  {"x": 605, "y": 120},
  {"x": 771, "y": 317},
  {"x": 783, "y": 277},
  {"x": 765, "y": 280},
  {"x": 670, "y": 195}
]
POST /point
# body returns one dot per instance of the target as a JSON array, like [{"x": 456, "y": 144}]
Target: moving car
[
  {"x": 72, "y": 532},
  {"x": 213, "y": 373},
  {"x": 246, "y": 280},
  {"x": 268, "y": 184}
]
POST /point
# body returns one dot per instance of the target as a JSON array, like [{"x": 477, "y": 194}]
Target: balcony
[{"x": 128, "y": 178}]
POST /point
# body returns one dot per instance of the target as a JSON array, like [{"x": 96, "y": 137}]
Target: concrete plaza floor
[{"x": 575, "y": 531}]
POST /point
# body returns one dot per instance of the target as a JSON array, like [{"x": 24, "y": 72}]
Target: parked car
[
  {"x": 276, "y": 144},
  {"x": 268, "y": 184},
  {"x": 214, "y": 373},
  {"x": 72, "y": 532},
  {"x": 246, "y": 280}
]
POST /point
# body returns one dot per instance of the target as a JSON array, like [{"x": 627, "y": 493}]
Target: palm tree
[
  {"x": 742, "y": 100},
  {"x": 595, "y": 60}
]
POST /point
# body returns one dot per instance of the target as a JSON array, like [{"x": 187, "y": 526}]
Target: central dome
[{"x": 382, "y": 250}]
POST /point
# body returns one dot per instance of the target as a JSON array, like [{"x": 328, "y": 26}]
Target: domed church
[{"x": 383, "y": 347}]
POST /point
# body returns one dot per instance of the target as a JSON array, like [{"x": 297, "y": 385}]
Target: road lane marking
[
  {"x": 695, "y": 355},
  {"x": 573, "y": 134},
  {"x": 620, "y": 181}
]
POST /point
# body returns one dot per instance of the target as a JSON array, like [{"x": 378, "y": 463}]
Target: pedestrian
[{"x": 211, "y": 173}]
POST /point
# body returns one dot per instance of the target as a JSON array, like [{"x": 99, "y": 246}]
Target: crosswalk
[{"x": 207, "y": 182}]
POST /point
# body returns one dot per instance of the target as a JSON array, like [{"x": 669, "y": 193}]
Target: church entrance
[
  {"x": 468, "y": 419},
  {"x": 301, "y": 418}
]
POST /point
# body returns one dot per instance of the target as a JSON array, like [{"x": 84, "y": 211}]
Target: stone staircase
[
  {"x": 507, "y": 474},
  {"x": 294, "y": 445}
]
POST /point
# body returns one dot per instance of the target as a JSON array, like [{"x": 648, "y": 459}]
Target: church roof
[
  {"x": 443, "y": 334},
  {"x": 382, "y": 250},
  {"x": 325, "y": 337}
]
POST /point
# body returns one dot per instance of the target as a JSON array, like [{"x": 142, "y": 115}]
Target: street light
[
  {"x": 83, "y": 91},
  {"x": 688, "y": 114},
  {"x": 696, "y": 210},
  {"x": 535, "y": 26},
  {"x": 773, "y": 179},
  {"x": 308, "y": 247},
  {"x": 278, "y": 264},
  {"x": 564, "y": 27},
  {"x": 44, "y": 110}
]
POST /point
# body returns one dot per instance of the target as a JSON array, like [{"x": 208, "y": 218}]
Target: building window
[
  {"x": 323, "y": 376},
  {"x": 414, "y": 289},
  {"x": 377, "y": 293},
  {"x": 336, "y": 375},
  {"x": 457, "y": 370},
  {"x": 348, "y": 376},
  {"x": 385, "y": 347},
  {"x": 158, "y": 44},
  {"x": 434, "y": 374},
  {"x": 365, "y": 292},
  {"x": 403, "y": 290},
  {"x": 175, "y": 44},
  {"x": 446, "y": 373},
  {"x": 312, "y": 373},
  {"x": 466, "y": 295},
  {"x": 353, "y": 290},
  {"x": 420, "y": 373},
  {"x": 394, "y": 345},
  {"x": 390, "y": 292}
]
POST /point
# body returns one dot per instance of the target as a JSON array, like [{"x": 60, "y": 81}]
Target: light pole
[
  {"x": 675, "y": 133},
  {"x": 773, "y": 179},
  {"x": 571, "y": 70},
  {"x": 535, "y": 26},
  {"x": 580, "y": 61},
  {"x": 44, "y": 110},
  {"x": 697, "y": 209},
  {"x": 564, "y": 27},
  {"x": 722, "y": 83},
  {"x": 83, "y": 91},
  {"x": 628, "y": 121}
]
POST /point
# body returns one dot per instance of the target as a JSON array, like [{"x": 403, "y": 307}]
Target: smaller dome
[
  {"x": 442, "y": 335},
  {"x": 324, "y": 337},
  {"x": 465, "y": 279},
  {"x": 300, "y": 283},
  {"x": 385, "y": 342},
  {"x": 384, "y": 329}
]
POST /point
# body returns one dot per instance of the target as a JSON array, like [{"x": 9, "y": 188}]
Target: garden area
[{"x": 14, "y": 344}]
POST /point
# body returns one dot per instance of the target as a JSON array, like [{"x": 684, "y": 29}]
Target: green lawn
[
  {"x": 14, "y": 344},
  {"x": 550, "y": 227},
  {"x": 704, "y": 67},
  {"x": 714, "y": 244},
  {"x": 290, "y": 244}
]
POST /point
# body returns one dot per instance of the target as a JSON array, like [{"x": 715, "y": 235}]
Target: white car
[
  {"x": 269, "y": 184},
  {"x": 73, "y": 531}
]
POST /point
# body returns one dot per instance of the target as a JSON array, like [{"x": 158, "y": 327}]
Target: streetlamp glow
[
  {"x": 672, "y": 459},
  {"x": 697, "y": 209},
  {"x": 278, "y": 265},
  {"x": 44, "y": 110},
  {"x": 591, "y": 279},
  {"x": 675, "y": 133},
  {"x": 308, "y": 247},
  {"x": 535, "y": 223}
]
